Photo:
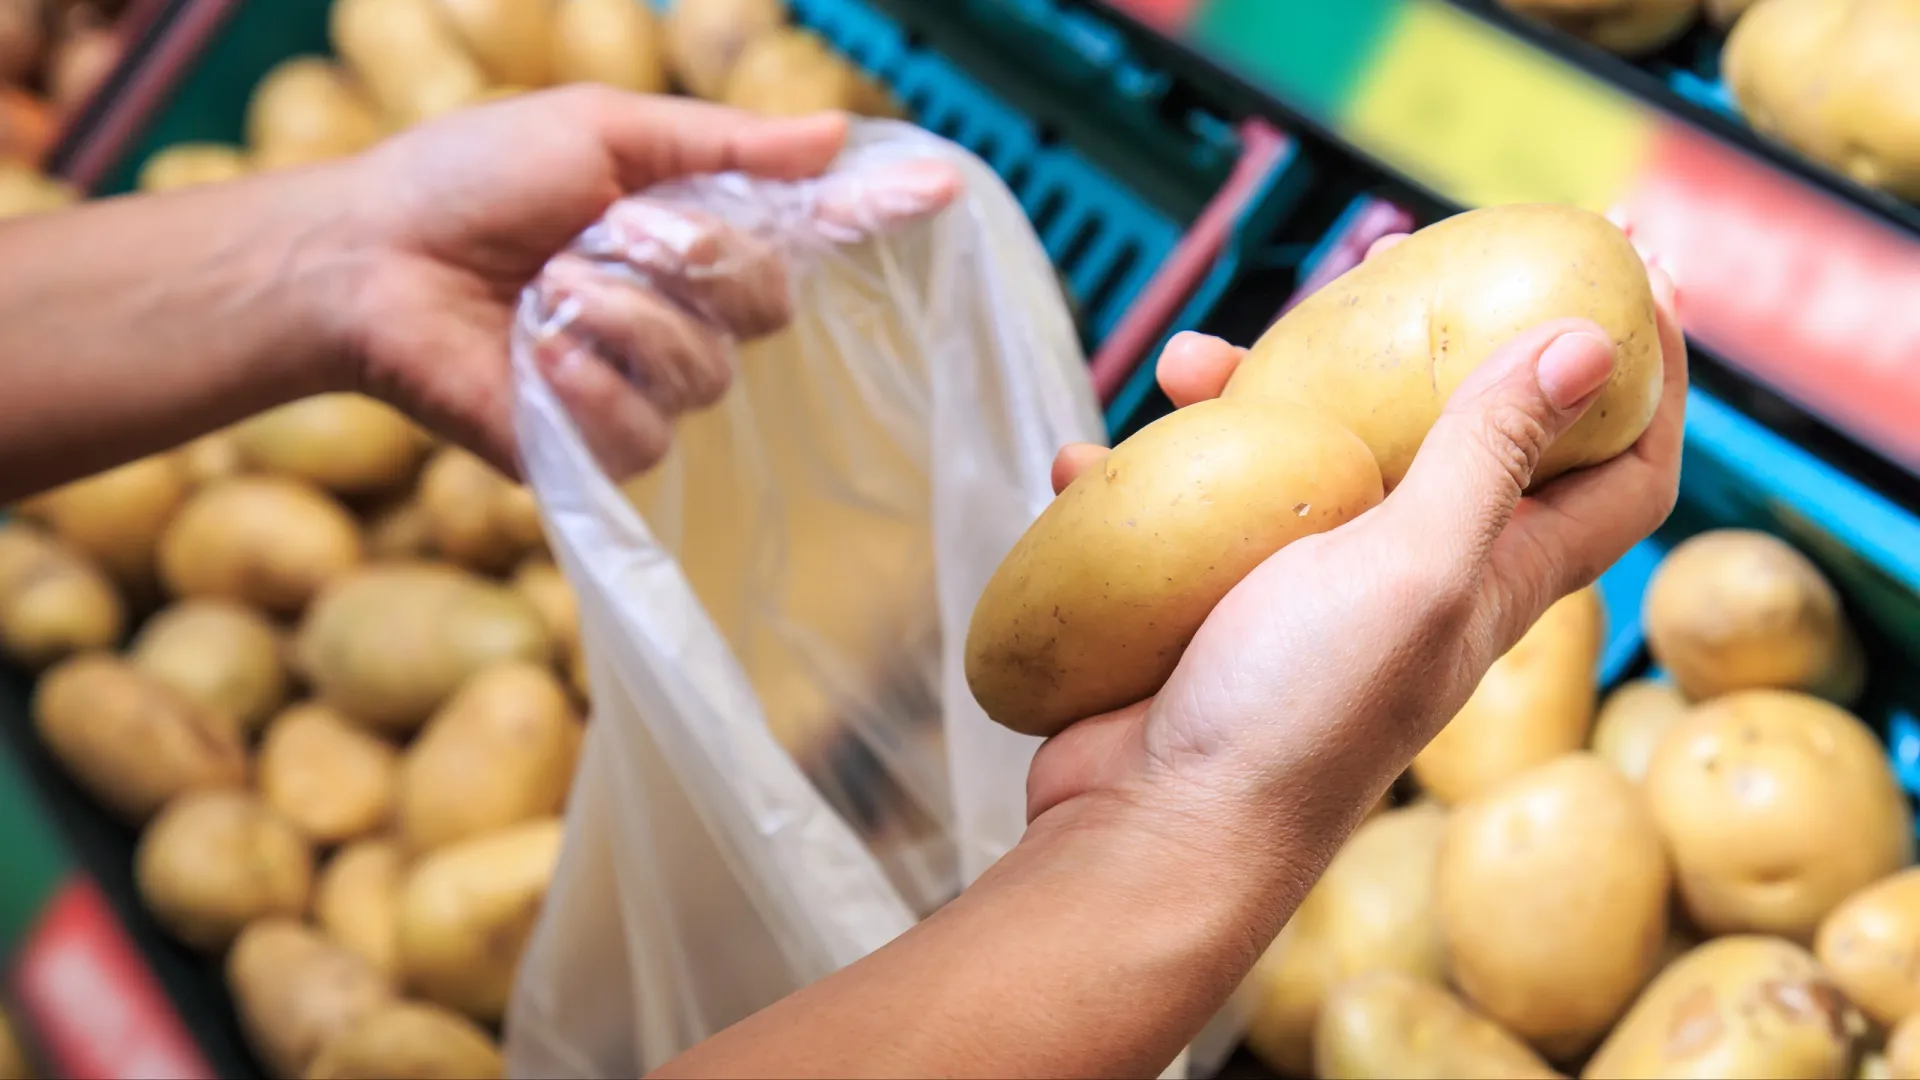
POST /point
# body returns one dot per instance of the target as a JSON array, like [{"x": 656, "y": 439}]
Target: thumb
[{"x": 1481, "y": 453}]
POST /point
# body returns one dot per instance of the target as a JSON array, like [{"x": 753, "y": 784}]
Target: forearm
[{"x": 131, "y": 325}]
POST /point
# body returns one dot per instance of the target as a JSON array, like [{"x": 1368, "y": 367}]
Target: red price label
[{"x": 93, "y": 1006}]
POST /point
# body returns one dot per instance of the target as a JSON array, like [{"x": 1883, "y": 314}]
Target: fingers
[
  {"x": 625, "y": 432},
  {"x": 857, "y": 205},
  {"x": 1074, "y": 459},
  {"x": 655, "y": 138},
  {"x": 1195, "y": 367},
  {"x": 731, "y": 279},
  {"x": 675, "y": 360}
]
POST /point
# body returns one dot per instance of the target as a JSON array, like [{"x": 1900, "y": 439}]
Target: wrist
[{"x": 328, "y": 277}]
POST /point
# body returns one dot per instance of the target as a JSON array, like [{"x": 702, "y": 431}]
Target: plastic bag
[{"x": 785, "y": 768}]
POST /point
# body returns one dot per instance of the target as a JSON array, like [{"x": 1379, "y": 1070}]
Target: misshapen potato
[
  {"x": 185, "y": 165},
  {"x": 1628, "y": 27},
  {"x": 407, "y": 55},
  {"x": 609, "y": 41},
  {"x": 409, "y": 1040},
  {"x": 389, "y": 644},
  {"x": 220, "y": 654},
  {"x": 357, "y": 901},
  {"x": 1430, "y": 310},
  {"x": 1534, "y": 704},
  {"x": 1870, "y": 944},
  {"x": 342, "y": 442},
  {"x": 512, "y": 39},
  {"x": 268, "y": 541},
  {"x": 1632, "y": 721},
  {"x": 1391, "y": 1026},
  {"x": 308, "y": 110},
  {"x": 1735, "y": 609},
  {"x": 334, "y": 781},
  {"x": 214, "y": 861},
  {"x": 1776, "y": 806},
  {"x": 116, "y": 517},
  {"x": 1373, "y": 910},
  {"x": 131, "y": 740},
  {"x": 466, "y": 912},
  {"x": 53, "y": 601},
  {"x": 1169, "y": 523},
  {"x": 475, "y": 516},
  {"x": 706, "y": 37},
  {"x": 1553, "y": 890},
  {"x": 1741, "y": 1006},
  {"x": 295, "y": 991}
]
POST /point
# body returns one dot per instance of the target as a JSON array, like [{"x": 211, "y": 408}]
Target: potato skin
[
  {"x": 307, "y": 110},
  {"x": 341, "y": 442},
  {"x": 1903, "y": 1050},
  {"x": 475, "y": 516},
  {"x": 268, "y": 541},
  {"x": 409, "y": 1040},
  {"x": 792, "y": 72},
  {"x": 1092, "y": 608},
  {"x": 512, "y": 39},
  {"x": 407, "y": 55},
  {"x": 706, "y": 37},
  {"x": 53, "y": 601},
  {"x": 214, "y": 861},
  {"x": 1735, "y": 609},
  {"x": 546, "y": 588},
  {"x": 220, "y": 654},
  {"x": 1627, "y": 27},
  {"x": 1533, "y": 705},
  {"x": 1553, "y": 890},
  {"x": 1740, "y": 1006},
  {"x": 610, "y": 42},
  {"x": 116, "y": 517},
  {"x": 357, "y": 901},
  {"x": 295, "y": 990},
  {"x": 192, "y": 164},
  {"x": 1427, "y": 312},
  {"x": 1776, "y": 806},
  {"x": 1373, "y": 910},
  {"x": 131, "y": 740},
  {"x": 1391, "y": 1026},
  {"x": 1632, "y": 721},
  {"x": 331, "y": 779},
  {"x": 1870, "y": 944}
]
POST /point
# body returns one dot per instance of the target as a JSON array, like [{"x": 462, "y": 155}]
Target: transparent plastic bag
[{"x": 785, "y": 768}]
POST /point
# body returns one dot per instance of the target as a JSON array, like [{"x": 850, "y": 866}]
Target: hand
[
  {"x": 464, "y": 213},
  {"x": 1318, "y": 678}
]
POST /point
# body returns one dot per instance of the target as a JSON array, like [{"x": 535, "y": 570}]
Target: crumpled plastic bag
[{"x": 784, "y": 768}]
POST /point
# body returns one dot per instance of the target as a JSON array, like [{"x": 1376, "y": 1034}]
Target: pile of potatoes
[
  {"x": 1705, "y": 874},
  {"x": 329, "y": 671}
]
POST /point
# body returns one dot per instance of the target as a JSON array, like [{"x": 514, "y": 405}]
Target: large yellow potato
[
  {"x": 185, "y": 165},
  {"x": 1391, "y": 1026},
  {"x": 295, "y": 990},
  {"x": 1373, "y": 910},
  {"x": 53, "y": 601},
  {"x": 1092, "y": 608},
  {"x": 512, "y": 39},
  {"x": 132, "y": 741},
  {"x": 1741, "y": 1006},
  {"x": 331, "y": 779},
  {"x": 357, "y": 901},
  {"x": 1835, "y": 80},
  {"x": 792, "y": 72},
  {"x": 116, "y": 517},
  {"x": 1381, "y": 348},
  {"x": 501, "y": 751},
  {"x": 409, "y": 1040},
  {"x": 388, "y": 644},
  {"x": 475, "y": 516},
  {"x": 220, "y": 654},
  {"x": 307, "y": 110},
  {"x": 1552, "y": 890},
  {"x": 615, "y": 42},
  {"x": 1870, "y": 944},
  {"x": 214, "y": 861},
  {"x": 1534, "y": 704},
  {"x": 1632, "y": 721},
  {"x": 268, "y": 541},
  {"x": 343, "y": 442},
  {"x": 705, "y": 37},
  {"x": 408, "y": 56},
  {"x": 1734, "y": 609},
  {"x": 1628, "y": 27},
  {"x": 1776, "y": 806},
  {"x": 466, "y": 912}
]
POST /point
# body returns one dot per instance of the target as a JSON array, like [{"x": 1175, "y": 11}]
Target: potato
[
  {"x": 1776, "y": 806},
  {"x": 1741, "y": 1006},
  {"x": 24, "y": 189},
  {"x": 615, "y": 42},
  {"x": 1835, "y": 80},
  {"x": 211, "y": 457},
  {"x": 307, "y": 109},
  {"x": 334, "y": 781},
  {"x": 1085, "y": 616},
  {"x": 192, "y": 164},
  {"x": 388, "y": 644},
  {"x": 706, "y": 37},
  {"x": 475, "y": 516},
  {"x": 130, "y": 740},
  {"x": 1631, "y": 722},
  {"x": 214, "y": 861},
  {"x": 1428, "y": 311},
  {"x": 1870, "y": 944},
  {"x": 269, "y": 541},
  {"x": 1903, "y": 1050},
  {"x": 13, "y": 1060},
  {"x": 1734, "y": 610},
  {"x": 1391, "y": 1026},
  {"x": 1373, "y": 910},
  {"x": 357, "y": 901},
  {"x": 1534, "y": 704},
  {"x": 220, "y": 654},
  {"x": 397, "y": 531},
  {"x": 53, "y": 602},
  {"x": 1552, "y": 893},
  {"x": 116, "y": 517},
  {"x": 546, "y": 588},
  {"x": 466, "y": 911},
  {"x": 409, "y": 1040},
  {"x": 512, "y": 39},
  {"x": 81, "y": 61},
  {"x": 1628, "y": 27},
  {"x": 343, "y": 442},
  {"x": 792, "y": 72},
  {"x": 500, "y": 752},
  {"x": 408, "y": 56},
  {"x": 295, "y": 990}
]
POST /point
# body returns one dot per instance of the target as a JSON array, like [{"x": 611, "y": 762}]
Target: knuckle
[{"x": 1515, "y": 438}]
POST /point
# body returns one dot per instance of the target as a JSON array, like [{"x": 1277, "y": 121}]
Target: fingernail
[{"x": 1573, "y": 367}]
